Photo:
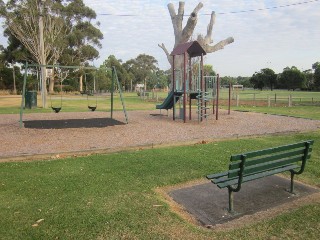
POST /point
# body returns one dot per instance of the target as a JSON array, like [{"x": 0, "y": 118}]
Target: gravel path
[{"x": 74, "y": 132}]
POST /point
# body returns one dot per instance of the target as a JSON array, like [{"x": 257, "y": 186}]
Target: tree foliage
[
  {"x": 291, "y": 78},
  {"x": 264, "y": 78}
]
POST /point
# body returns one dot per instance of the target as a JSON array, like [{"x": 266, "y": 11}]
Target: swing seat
[
  {"x": 92, "y": 108},
  {"x": 56, "y": 109}
]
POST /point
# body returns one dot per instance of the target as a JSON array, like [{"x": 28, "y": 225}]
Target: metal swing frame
[{"x": 114, "y": 81}]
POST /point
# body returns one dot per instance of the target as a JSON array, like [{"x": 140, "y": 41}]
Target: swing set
[{"x": 88, "y": 92}]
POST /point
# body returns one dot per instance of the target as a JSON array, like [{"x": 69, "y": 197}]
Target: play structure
[
  {"x": 90, "y": 92},
  {"x": 189, "y": 82}
]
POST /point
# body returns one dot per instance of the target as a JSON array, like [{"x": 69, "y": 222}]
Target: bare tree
[{"x": 183, "y": 35}]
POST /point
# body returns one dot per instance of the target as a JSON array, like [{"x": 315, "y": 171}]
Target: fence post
[
  {"x": 269, "y": 102},
  {"x": 289, "y": 103},
  {"x": 238, "y": 98},
  {"x": 254, "y": 99},
  {"x": 275, "y": 99}
]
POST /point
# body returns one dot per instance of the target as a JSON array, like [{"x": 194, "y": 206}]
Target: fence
[{"x": 271, "y": 100}]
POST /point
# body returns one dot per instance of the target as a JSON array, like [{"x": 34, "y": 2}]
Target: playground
[{"x": 52, "y": 135}]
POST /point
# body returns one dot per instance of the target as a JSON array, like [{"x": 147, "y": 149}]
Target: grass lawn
[
  {"x": 77, "y": 103},
  {"x": 112, "y": 196},
  {"x": 312, "y": 112}
]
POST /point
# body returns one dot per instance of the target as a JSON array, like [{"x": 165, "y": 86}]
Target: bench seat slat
[
  {"x": 270, "y": 150},
  {"x": 248, "y": 178},
  {"x": 217, "y": 175}
]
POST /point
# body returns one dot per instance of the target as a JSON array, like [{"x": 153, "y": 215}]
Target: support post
[
  {"x": 202, "y": 85},
  {"x": 173, "y": 89},
  {"x": 229, "y": 104},
  {"x": 184, "y": 87},
  {"x": 190, "y": 87},
  {"x": 291, "y": 183},
  {"x": 231, "y": 210},
  {"x": 112, "y": 90},
  {"x": 23, "y": 93},
  {"x": 217, "y": 98}
]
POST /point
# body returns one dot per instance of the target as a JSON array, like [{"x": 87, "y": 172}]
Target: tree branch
[
  {"x": 208, "y": 38},
  {"x": 220, "y": 45},
  {"x": 191, "y": 24},
  {"x": 166, "y": 52}
]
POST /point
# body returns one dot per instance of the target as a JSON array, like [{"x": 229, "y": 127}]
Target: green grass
[
  {"x": 77, "y": 103},
  {"x": 112, "y": 196},
  {"x": 311, "y": 112}
]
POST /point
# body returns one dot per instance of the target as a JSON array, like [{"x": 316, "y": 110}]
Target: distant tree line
[{"x": 290, "y": 78}]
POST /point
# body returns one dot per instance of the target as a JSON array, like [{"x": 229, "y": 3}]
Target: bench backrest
[{"x": 269, "y": 159}]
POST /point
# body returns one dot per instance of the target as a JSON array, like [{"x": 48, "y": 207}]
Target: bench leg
[
  {"x": 231, "y": 210},
  {"x": 291, "y": 184}
]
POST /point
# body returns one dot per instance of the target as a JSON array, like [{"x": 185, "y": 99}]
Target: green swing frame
[{"x": 115, "y": 81}]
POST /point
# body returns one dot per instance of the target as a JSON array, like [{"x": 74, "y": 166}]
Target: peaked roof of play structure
[{"x": 193, "y": 48}]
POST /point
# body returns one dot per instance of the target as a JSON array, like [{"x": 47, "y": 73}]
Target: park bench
[{"x": 258, "y": 164}]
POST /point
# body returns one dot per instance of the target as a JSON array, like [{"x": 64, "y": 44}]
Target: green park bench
[{"x": 249, "y": 166}]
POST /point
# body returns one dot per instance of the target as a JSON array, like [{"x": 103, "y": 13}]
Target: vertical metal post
[
  {"x": 202, "y": 85},
  {"x": 173, "y": 89},
  {"x": 184, "y": 87},
  {"x": 23, "y": 93},
  {"x": 190, "y": 87},
  {"x": 112, "y": 90},
  {"x": 291, "y": 184},
  {"x": 231, "y": 210},
  {"x": 217, "y": 98},
  {"x": 229, "y": 104}
]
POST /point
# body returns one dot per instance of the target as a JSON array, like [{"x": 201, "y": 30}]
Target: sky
[{"x": 273, "y": 38}]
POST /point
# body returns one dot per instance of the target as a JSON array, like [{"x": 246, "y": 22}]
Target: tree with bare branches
[{"x": 183, "y": 35}]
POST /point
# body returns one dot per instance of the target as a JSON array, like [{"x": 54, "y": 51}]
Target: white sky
[{"x": 274, "y": 38}]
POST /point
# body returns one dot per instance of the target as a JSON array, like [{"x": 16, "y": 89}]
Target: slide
[{"x": 168, "y": 102}]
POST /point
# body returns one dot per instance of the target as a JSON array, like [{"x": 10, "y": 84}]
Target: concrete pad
[{"x": 209, "y": 204}]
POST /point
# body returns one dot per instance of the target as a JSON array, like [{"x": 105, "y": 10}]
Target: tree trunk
[
  {"x": 81, "y": 83},
  {"x": 14, "y": 81},
  {"x": 51, "y": 82}
]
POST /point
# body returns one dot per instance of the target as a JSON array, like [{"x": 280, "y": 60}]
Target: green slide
[{"x": 168, "y": 102}]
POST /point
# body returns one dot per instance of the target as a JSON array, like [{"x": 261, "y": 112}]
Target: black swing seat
[
  {"x": 92, "y": 108},
  {"x": 56, "y": 109}
]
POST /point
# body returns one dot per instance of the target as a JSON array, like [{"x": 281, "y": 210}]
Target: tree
[
  {"x": 64, "y": 25},
  {"x": 291, "y": 78},
  {"x": 315, "y": 65},
  {"x": 265, "y": 77},
  {"x": 317, "y": 78},
  {"x": 257, "y": 80},
  {"x": 122, "y": 73},
  {"x": 309, "y": 83},
  {"x": 184, "y": 35},
  {"x": 208, "y": 70},
  {"x": 143, "y": 68}
]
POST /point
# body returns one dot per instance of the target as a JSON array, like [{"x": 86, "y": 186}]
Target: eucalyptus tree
[{"x": 53, "y": 31}]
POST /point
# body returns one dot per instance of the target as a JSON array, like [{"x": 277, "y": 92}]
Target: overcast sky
[{"x": 274, "y": 38}]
